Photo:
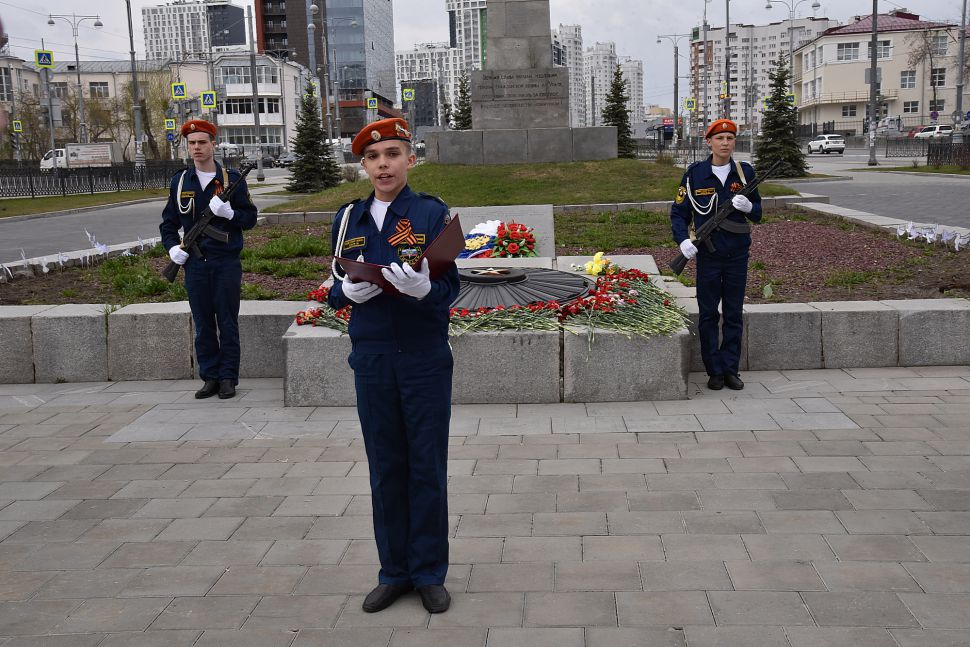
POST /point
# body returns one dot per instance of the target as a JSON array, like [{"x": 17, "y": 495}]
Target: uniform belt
[{"x": 735, "y": 227}]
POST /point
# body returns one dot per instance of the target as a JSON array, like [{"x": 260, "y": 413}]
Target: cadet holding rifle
[
  {"x": 722, "y": 259},
  {"x": 213, "y": 279}
]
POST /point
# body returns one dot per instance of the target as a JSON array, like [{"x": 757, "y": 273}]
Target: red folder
[{"x": 441, "y": 255}]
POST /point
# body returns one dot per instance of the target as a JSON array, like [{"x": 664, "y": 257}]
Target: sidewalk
[{"x": 813, "y": 509}]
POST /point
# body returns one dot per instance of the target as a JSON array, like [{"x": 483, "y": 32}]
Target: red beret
[
  {"x": 198, "y": 126},
  {"x": 377, "y": 131},
  {"x": 721, "y": 126}
]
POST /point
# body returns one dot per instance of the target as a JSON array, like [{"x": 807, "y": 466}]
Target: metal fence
[
  {"x": 906, "y": 147},
  {"x": 23, "y": 181},
  {"x": 944, "y": 152}
]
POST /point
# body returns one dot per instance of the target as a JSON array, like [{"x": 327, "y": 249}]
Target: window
[
  {"x": 6, "y": 86},
  {"x": 907, "y": 79},
  {"x": 98, "y": 89},
  {"x": 937, "y": 106},
  {"x": 910, "y": 107},
  {"x": 849, "y": 111},
  {"x": 938, "y": 77},
  {"x": 847, "y": 51},
  {"x": 59, "y": 90},
  {"x": 938, "y": 44},
  {"x": 883, "y": 49}
]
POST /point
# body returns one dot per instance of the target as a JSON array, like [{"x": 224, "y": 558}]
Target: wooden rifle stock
[
  {"x": 203, "y": 227},
  {"x": 705, "y": 231}
]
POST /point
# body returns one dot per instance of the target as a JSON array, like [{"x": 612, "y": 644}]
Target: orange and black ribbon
[{"x": 403, "y": 233}]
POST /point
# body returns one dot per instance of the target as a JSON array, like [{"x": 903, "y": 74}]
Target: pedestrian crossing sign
[
  {"x": 790, "y": 98},
  {"x": 209, "y": 99},
  {"x": 372, "y": 104},
  {"x": 178, "y": 91},
  {"x": 169, "y": 124},
  {"x": 44, "y": 58},
  {"x": 690, "y": 104},
  {"x": 18, "y": 126},
  {"x": 407, "y": 94}
]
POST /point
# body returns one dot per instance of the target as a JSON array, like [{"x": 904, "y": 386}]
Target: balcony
[
  {"x": 246, "y": 90},
  {"x": 272, "y": 119},
  {"x": 846, "y": 97}
]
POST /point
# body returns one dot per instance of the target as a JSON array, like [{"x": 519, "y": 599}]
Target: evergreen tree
[
  {"x": 463, "y": 106},
  {"x": 779, "y": 125},
  {"x": 615, "y": 113},
  {"x": 315, "y": 168}
]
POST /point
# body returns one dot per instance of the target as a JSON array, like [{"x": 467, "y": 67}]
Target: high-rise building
[
  {"x": 754, "y": 51},
  {"x": 281, "y": 30},
  {"x": 632, "y": 69},
  {"x": 422, "y": 107},
  {"x": 186, "y": 29},
  {"x": 467, "y": 26},
  {"x": 435, "y": 61},
  {"x": 570, "y": 38},
  {"x": 599, "y": 62}
]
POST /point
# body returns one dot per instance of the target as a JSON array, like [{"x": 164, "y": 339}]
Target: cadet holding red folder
[{"x": 402, "y": 364}]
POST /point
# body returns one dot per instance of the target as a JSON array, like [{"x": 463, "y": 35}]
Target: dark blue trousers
[
  {"x": 214, "y": 287},
  {"x": 721, "y": 281},
  {"x": 404, "y": 405}
]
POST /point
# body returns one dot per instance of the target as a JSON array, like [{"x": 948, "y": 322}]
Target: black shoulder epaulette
[{"x": 432, "y": 197}]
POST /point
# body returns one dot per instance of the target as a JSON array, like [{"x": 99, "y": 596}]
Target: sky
[{"x": 632, "y": 24}]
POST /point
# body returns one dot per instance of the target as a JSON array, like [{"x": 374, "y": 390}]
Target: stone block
[
  {"x": 150, "y": 341},
  {"x": 506, "y": 96},
  {"x": 858, "y": 334},
  {"x": 58, "y": 355},
  {"x": 261, "y": 328},
  {"x": 550, "y": 145},
  {"x": 505, "y": 146},
  {"x": 620, "y": 368},
  {"x": 783, "y": 336},
  {"x": 316, "y": 370},
  {"x": 16, "y": 348},
  {"x": 933, "y": 332},
  {"x": 597, "y": 143},
  {"x": 537, "y": 216},
  {"x": 543, "y": 262},
  {"x": 507, "y": 366},
  {"x": 460, "y": 147},
  {"x": 528, "y": 18},
  {"x": 431, "y": 147}
]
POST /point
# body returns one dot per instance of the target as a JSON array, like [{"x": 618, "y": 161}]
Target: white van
[{"x": 47, "y": 161}]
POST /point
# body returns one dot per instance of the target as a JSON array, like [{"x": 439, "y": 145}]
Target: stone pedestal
[
  {"x": 520, "y": 98},
  {"x": 71, "y": 344}
]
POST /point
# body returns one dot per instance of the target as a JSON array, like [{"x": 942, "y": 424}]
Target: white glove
[
  {"x": 178, "y": 255},
  {"x": 407, "y": 280},
  {"x": 220, "y": 208},
  {"x": 741, "y": 203},
  {"x": 687, "y": 249},
  {"x": 359, "y": 292}
]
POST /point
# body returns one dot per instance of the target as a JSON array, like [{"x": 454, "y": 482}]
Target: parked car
[
  {"x": 827, "y": 144},
  {"x": 268, "y": 160},
  {"x": 936, "y": 130},
  {"x": 286, "y": 160}
]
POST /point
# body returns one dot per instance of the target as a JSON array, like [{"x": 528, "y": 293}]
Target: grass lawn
[
  {"x": 26, "y": 206},
  {"x": 951, "y": 169},
  {"x": 606, "y": 181}
]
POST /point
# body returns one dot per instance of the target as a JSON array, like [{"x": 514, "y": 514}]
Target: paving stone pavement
[{"x": 814, "y": 508}]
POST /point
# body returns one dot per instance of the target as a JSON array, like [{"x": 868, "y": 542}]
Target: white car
[
  {"x": 938, "y": 130},
  {"x": 827, "y": 144}
]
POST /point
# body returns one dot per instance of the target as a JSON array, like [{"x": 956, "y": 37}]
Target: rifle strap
[{"x": 735, "y": 227}]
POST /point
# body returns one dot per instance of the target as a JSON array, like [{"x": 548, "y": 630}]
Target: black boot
[
  {"x": 733, "y": 382},
  {"x": 435, "y": 598},
  {"x": 209, "y": 389},
  {"x": 226, "y": 389},
  {"x": 716, "y": 382},
  {"x": 384, "y": 596}
]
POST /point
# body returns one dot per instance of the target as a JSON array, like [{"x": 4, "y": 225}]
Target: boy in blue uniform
[
  {"x": 214, "y": 281},
  {"x": 722, "y": 274},
  {"x": 402, "y": 366}
]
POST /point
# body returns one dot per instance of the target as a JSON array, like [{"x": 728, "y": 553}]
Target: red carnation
[
  {"x": 515, "y": 235},
  {"x": 513, "y": 247}
]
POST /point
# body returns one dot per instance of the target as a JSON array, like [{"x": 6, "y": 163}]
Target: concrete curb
[{"x": 67, "y": 212}]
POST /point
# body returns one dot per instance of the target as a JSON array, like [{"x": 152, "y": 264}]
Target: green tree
[
  {"x": 779, "y": 124},
  {"x": 314, "y": 168},
  {"x": 463, "y": 106},
  {"x": 616, "y": 113}
]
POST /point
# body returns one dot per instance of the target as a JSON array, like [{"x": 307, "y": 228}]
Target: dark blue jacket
[
  {"x": 172, "y": 218},
  {"x": 700, "y": 184},
  {"x": 396, "y": 323}
]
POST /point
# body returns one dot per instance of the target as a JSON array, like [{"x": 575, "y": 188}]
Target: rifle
[
  {"x": 704, "y": 232},
  {"x": 203, "y": 227}
]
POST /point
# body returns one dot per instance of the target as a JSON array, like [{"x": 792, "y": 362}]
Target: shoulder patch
[{"x": 681, "y": 194}]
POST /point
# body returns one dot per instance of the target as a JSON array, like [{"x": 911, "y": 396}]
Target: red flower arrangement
[
  {"x": 324, "y": 315},
  {"x": 513, "y": 240}
]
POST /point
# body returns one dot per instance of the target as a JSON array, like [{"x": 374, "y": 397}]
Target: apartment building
[
  {"x": 570, "y": 39},
  {"x": 467, "y": 31},
  {"x": 432, "y": 61},
  {"x": 191, "y": 28}
]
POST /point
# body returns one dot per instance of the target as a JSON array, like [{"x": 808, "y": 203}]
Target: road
[{"x": 110, "y": 225}]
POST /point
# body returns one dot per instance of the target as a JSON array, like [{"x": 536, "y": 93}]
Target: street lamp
[
  {"x": 139, "y": 152},
  {"x": 791, "y": 33},
  {"x": 675, "y": 38},
  {"x": 75, "y": 20}
]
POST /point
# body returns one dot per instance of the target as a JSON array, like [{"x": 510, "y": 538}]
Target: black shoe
[
  {"x": 716, "y": 382},
  {"x": 435, "y": 598},
  {"x": 384, "y": 596},
  {"x": 733, "y": 382},
  {"x": 226, "y": 389},
  {"x": 209, "y": 389}
]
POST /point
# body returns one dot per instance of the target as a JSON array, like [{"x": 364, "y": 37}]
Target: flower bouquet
[
  {"x": 324, "y": 315},
  {"x": 535, "y": 316},
  {"x": 514, "y": 240}
]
